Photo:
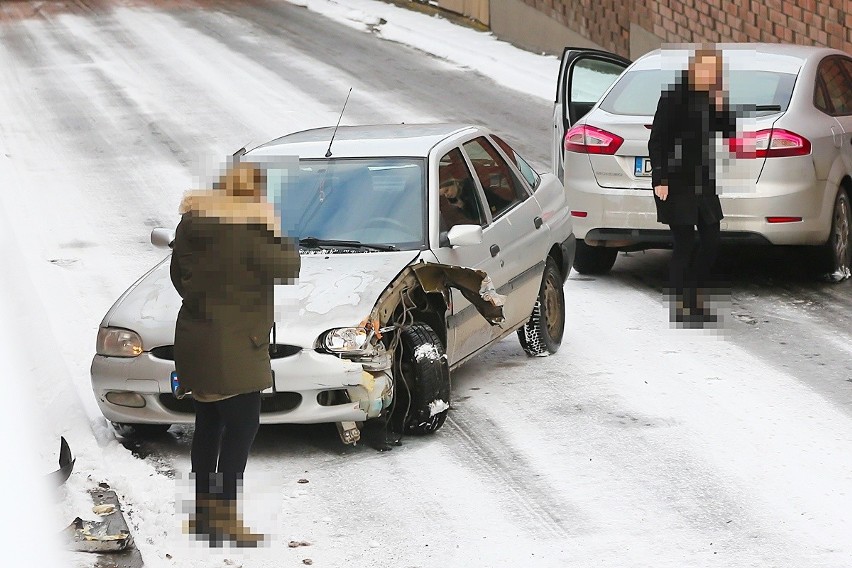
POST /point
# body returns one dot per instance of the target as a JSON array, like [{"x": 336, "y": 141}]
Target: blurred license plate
[
  {"x": 175, "y": 381},
  {"x": 642, "y": 167}
]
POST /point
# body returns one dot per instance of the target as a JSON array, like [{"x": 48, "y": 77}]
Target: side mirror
[
  {"x": 162, "y": 238},
  {"x": 465, "y": 235}
]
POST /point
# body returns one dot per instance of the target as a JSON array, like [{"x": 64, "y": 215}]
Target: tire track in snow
[
  {"x": 797, "y": 326},
  {"x": 533, "y": 504},
  {"x": 626, "y": 470},
  {"x": 426, "y": 84},
  {"x": 269, "y": 46}
]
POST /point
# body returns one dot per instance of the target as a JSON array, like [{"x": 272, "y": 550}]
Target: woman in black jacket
[{"x": 683, "y": 176}]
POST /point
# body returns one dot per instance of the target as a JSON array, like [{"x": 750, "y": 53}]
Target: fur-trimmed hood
[{"x": 230, "y": 209}]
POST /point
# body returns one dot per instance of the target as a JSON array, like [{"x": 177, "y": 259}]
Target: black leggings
[
  {"x": 692, "y": 262},
  {"x": 224, "y": 433}
]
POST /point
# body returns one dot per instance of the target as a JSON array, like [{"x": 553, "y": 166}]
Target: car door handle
[
  {"x": 538, "y": 222},
  {"x": 495, "y": 250}
]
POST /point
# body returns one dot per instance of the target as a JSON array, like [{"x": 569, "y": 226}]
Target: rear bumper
[
  {"x": 303, "y": 386},
  {"x": 660, "y": 238},
  {"x": 787, "y": 187},
  {"x": 623, "y": 218}
]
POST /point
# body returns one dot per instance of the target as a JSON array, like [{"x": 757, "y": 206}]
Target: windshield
[
  {"x": 376, "y": 201},
  {"x": 637, "y": 92}
]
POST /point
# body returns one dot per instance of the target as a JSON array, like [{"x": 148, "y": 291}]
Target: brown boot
[
  {"x": 225, "y": 521},
  {"x": 199, "y": 522}
]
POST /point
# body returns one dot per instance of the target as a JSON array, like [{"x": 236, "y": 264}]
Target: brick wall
[{"x": 607, "y": 22}]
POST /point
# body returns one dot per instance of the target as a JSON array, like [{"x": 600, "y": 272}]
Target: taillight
[
  {"x": 770, "y": 143},
  {"x": 586, "y": 139},
  {"x": 783, "y": 219}
]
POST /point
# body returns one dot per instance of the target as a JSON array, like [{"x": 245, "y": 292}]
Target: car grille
[
  {"x": 276, "y": 351},
  {"x": 279, "y": 402}
]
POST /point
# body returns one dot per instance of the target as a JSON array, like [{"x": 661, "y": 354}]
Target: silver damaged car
[{"x": 422, "y": 245}]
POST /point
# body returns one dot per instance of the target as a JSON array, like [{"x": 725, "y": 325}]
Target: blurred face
[
  {"x": 707, "y": 72},
  {"x": 450, "y": 190},
  {"x": 245, "y": 180}
]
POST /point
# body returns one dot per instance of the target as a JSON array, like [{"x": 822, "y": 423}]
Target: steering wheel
[{"x": 387, "y": 222}]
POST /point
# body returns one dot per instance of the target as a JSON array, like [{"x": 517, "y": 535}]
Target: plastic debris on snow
[{"x": 94, "y": 536}]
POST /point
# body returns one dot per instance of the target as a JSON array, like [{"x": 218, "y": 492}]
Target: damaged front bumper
[{"x": 309, "y": 388}]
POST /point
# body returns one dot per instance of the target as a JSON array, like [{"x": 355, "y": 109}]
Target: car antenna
[
  {"x": 333, "y": 134},
  {"x": 239, "y": 153}
]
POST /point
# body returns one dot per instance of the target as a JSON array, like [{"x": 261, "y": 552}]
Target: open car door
[{"x": 584, "y": 76}]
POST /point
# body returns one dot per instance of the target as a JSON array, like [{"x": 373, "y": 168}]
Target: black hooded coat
[{"x": 680, "y": 150}]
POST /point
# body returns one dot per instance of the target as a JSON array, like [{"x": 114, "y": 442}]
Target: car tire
[
  {"x": 126, "y": 430},
  {"x": 542, "y": 334},
  {"x": 422, "y": 387},
  {"x": 593, "y": 260},
  {"x": 837, "y": 251}
]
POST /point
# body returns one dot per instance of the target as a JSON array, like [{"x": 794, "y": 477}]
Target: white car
[
  {"x": 794, "y": 104},
  {"x": 421, "y": 246}
]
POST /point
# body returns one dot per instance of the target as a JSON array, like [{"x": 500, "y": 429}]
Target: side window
[
  {"x": 837, "y": 85},
  {"x": 526, "y": 170},
  {"x": 502, "y": 188},
  {"x": 847, "y": 76},
  {"x": 821, "y": 98},
  {"x": 458, "y": 199}
]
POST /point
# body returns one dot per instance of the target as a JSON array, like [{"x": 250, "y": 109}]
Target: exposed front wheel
[
  {"x": 593, "y": 260},
  {"x": 422, "y": 376},
  {"x": 126, "y": 430},
  {"x": 837, "y": 253},
  {"x": 542, "y": 334}
]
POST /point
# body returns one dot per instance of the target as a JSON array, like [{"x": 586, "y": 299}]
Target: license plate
[
  {"x": 642, "y": 167},
  {"x": 175, "y": 381}
]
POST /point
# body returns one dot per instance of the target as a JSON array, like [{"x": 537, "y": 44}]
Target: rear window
[{"x": 637, "y": 92}]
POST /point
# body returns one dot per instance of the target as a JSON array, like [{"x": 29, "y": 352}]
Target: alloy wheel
[{"x": 554, "y": 315}]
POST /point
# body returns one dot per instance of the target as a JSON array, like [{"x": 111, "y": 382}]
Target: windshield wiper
[{"x": 314, "y": 242}]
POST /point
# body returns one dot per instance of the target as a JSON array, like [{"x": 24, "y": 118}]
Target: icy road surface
[{"x": 637, "y": 445}]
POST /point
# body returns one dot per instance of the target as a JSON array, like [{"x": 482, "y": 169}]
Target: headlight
[
  {"x": 356, "y": 344},
  {"x": 116, "y": 342},
  {"x": 348, "y": 341}
]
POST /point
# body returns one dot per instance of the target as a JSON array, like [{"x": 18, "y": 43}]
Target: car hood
[{"x": 333, "y": 290}]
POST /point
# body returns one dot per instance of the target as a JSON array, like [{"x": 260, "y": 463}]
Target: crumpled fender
[{"x": 475, "y": 285}]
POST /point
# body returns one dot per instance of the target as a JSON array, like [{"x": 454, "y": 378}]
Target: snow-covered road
[{"x": 637, "y": 445}]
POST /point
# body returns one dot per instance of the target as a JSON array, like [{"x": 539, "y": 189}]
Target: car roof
[
  {"x": 411, "y": 140},
  {"x": 740, "y": 53}
]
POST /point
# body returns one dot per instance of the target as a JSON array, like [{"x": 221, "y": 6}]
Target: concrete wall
[
  {"x": 479, "y": 10},
  {"x": 529, "y": 28},
  {"x": 633, "y": 27}
]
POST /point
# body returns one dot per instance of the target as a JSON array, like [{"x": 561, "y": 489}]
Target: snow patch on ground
[{"x": 512, "y": 67}]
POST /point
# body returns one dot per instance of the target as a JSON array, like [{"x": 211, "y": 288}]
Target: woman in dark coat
[
  {"x": 688, "y": 115},
  {"x": 227, "y": 254}
]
